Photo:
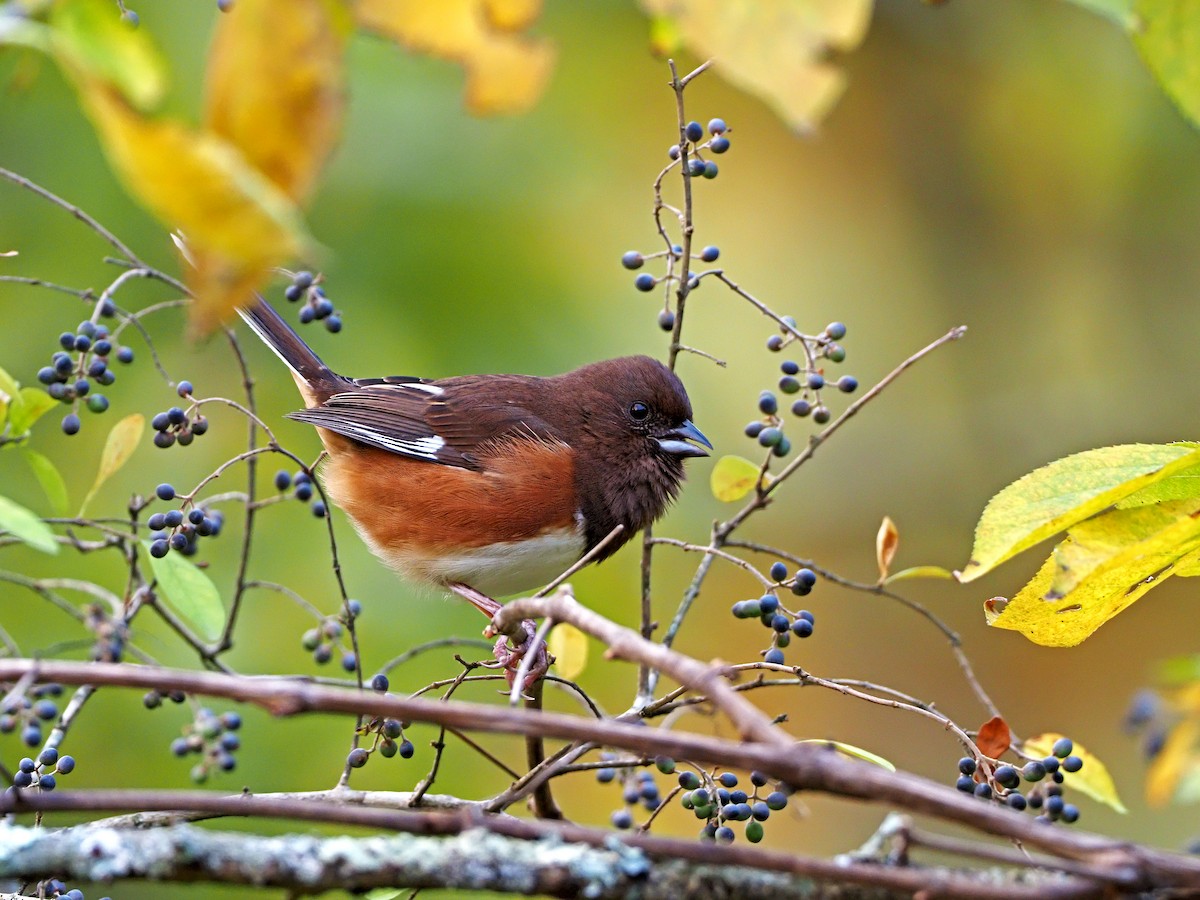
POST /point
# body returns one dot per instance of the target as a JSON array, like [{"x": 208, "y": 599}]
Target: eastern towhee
[{"x": 487, "y": 485}]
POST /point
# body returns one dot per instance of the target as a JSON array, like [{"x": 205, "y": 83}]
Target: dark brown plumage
[{"x": 496, "y": 482}]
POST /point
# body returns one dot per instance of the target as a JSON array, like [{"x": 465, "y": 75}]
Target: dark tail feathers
[{"x": 290, "y": 347}]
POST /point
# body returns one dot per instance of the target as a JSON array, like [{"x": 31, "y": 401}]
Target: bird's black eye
[{"x": 639, "y": 411}]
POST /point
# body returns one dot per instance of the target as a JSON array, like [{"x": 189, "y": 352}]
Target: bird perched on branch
[{"x": 488, "y": 485}]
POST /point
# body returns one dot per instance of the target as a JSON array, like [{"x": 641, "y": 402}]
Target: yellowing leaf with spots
[
  {"x": 1067, "y": 621},
  {"x": 506, "y": 72},
  {"x": 777, "y": 50},
  {"x": 1093, "y": 779},
  {"x": 1132, "y": 541},
  {"x": 733, "y": 477},
  {"x": 569, "y": 646},
  {"x": 122, "y": 440},
  {"x": 275, "y": 86},
  {"x": 1055, "y": 497}
]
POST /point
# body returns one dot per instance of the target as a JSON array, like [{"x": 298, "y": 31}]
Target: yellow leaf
[
  {"x": 851, "y": 750},
  {"x": 1069, "y": 620},
  {"x": 86, "y": 37},
  {"x": 121, "y": 442},
  {"x": 1167, "y": 37},
  {"x": 1093, "y": 779},
  {"x": 569, "y": 646},
  {"x": 774, "y": 49},
  {"x": 919, "y": 572},
  {"x": 512, "y": 15},
  {"x": 1120, "y": 540},
  {"x": 886, "y": 542},
  {"x": 275, "y": 86},
  {"x": 505, "y": 73},
  {"x": 1177, "y": 758},
  {"x": 198, "y": 183},
  {"x": 733, "y": 477},
  {"x": 1055, "y": 497}
]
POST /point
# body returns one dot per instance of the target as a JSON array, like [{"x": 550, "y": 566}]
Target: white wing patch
[{"x": 424, "y": 447}]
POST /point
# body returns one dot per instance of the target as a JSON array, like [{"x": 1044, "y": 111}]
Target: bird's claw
[{"x": 510, "y": 656}]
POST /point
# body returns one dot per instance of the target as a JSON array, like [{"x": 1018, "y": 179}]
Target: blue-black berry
[
  {"x": 717, "y": 126},
  {"x": 847, "y": 384},
  {"x": 70, "y": 424},
  {"x": 719, "y": 144},
  {"x": 165, "y": 492},
  {"x": 779, "y": 571},
  {"x": 710, "y": 254},
  {"x": 1062, "y": 747},
  {"x": 632, "y": 260},
  {"x": 644, "y": 282},
  {"x": 694, "y": 131}
]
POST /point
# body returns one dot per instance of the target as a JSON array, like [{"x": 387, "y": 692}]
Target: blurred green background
[{"x": 1009, "y": 166}]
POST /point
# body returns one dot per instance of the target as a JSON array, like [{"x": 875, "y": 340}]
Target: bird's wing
[{"x": 452, "y": 422}]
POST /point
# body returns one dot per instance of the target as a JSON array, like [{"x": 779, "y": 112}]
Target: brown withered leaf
[
  {"x": 276, "y": 87},
  {"x": 774, "y": 49},
  {"x": 994, "y": 738},
  {"x": 886, "y": 542},
  {"x": 506, "y": 72}
]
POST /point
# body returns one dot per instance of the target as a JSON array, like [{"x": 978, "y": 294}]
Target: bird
[{"x": 489, "y": 485}]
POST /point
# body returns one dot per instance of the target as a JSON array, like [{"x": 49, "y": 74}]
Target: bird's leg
[{"x": 509, "y": 658}]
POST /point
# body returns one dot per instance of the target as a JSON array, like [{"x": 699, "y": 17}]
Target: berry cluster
[
  {"x": 323, "y": 640},
  {"x": 783, "y": 623},
  {"x": 718, "y": 802},
  {"x": 1046, "y": 776},
  {"x": 214, "y": 738},
  {"x": 84, "y": 358},
  {"x": 389, "y": 739},
  {"x": 54, "y": 889},
  {"x": 317, "y": 306},
  {"x": 807, "y": 381},
  {"x": 111, "y": 633},
  {"x": 301, "y": 483},
  {"x": 42, "y": 773},
  {"x": 176, "y": 425},
  {"x": 698, "y": 166},
  {"x": 1147, "y": 714},
  {"x": 636, "y": 787},
  {"x": 177, "y": 530},
  {"x": 27, "y": 712}
]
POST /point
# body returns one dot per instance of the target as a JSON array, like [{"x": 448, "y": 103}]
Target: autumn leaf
[
  {"x": 1093, "y": 779},
  {"x": 886, "y": 542},
  {"x": 122, "y": 441},
  {"x": 1167, "y": 36},
  {"x": 1069, "y": 490},
  {"x": 993, "y": 738},
  {"x": 1177, "y": 761},
  {"x": 569, "y": 647},
  {"x": 855, "y": 752},
  {"x": 774, "y": 49},
  {"x": 506, "y": 72},
  {"x": 275, "y": 87},
  {"x": 733, "y": 477}
]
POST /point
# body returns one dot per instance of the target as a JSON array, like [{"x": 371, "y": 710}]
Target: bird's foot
[{"x": 510, "y": 651}]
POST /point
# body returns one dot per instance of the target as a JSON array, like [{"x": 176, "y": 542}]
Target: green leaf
[
  {"x": 1055, "y": 497},
  {"x": 919, "y": 572},
  {"x": 1123, "y": 540},
  {"x": 1118, "y": 11},
  {"x": 1168, "y": 38},
  {"x": 8, "y": 385},
  {"x": 1178, "y": 671},
  {"x": 29, "y": 405},
  {"x": 122, "y": 440},
  {"x": 190, "y": 593},
  {"x": 851, "y": 750},
  {"x": 383, "y": 893},
  {"x": 87, "y": 37},
  {"x": 26, "y": 526},
  {"x": 1181, "y": 486},
  {"x": 49, "y": 478},
  {"x": 733, "y": 477}
]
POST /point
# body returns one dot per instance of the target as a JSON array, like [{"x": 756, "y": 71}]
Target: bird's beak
[{"x": 675, "y": 441}]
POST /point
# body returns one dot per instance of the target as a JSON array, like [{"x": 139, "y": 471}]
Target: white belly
[{"x": 500, "y": 569}]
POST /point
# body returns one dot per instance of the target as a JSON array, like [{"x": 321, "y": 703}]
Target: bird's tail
[{"x": 313, "y": 376}]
